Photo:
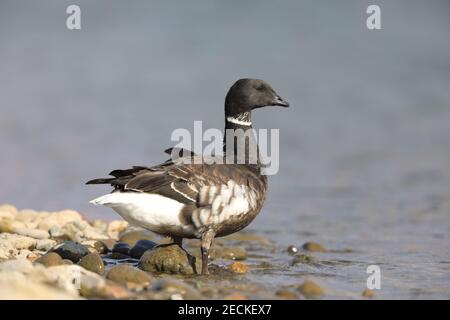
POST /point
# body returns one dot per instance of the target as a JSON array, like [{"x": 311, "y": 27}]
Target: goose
[{"x": 187, "y": 199}]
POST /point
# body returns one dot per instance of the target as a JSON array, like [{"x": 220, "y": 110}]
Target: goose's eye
[{"x": 260, "y": 88}]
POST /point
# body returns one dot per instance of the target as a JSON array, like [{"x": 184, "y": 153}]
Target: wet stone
[
  {"x": 310, "y": 289},
  {"x": 101, "y": 247},
  {"x": 124, "y": 273},
  {"x": 302, "y": 258},
  {"x": 230, "y": 253},
  {"x": 117, "y": 256},
  {"x": 132, "y": 237},
  {"x": 167, "y": 259},
  {"x": 70, "y": 250},
  {"x": 172, "y": 289},
  {"x": 313, "y": 247},
  {"x": 140, "y": 247},
  {"x": 292, "y": 249},
  {"x": 92, "y": 262},
  {"x": 239, "y": 267},
  {"x": 235, "y": 296},
  {"x": 286, "y": 294},
  {"x": 121, "y": 247},
  {"x": 50, "y": 259},
  {"x": 368, "y": 293}
]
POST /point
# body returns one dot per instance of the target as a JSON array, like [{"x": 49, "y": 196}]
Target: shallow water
[{"x": 365, "y": 146}]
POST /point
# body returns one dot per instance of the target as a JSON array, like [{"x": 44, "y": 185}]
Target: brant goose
[{"x": 192, "y": 200}]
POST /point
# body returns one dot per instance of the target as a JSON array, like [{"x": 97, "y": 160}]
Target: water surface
[{"x": 365, "y": 146}]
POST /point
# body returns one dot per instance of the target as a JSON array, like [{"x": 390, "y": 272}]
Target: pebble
[
  {"x": 133, "y": 236},
  {"x": 16, "y": 286},
  {"x": 82, "y": 230},
  {"x": 292, "y": 249},
  {"x": 250, "y": 237},
  {"x": 58, "y": 220},
  {"x": 50, "y": 259},
  {"x": 92, "y": 262},
  {"x": 313, "y": 247},
  {"x": 239, "y": 267},
  {"x": 167, "y": 259},
  {"x": 9, "y": 225},
  {"x": 45, "y": 244},
  {"x": 73, "y": 251},
  {"x": 11, "y": 244},
  {"x": 7, "y": 211},
  {"x": 125, "y": 273},
  {"x": 302, "y": 258},
  {"x": 16, "y": 265},
  {"x": 172, "y": 289},
  {"x": 101, "y": 247},
  {"x": 140, "y": 247},
  {"x": 19, "y": 227},
  {"x": 286, "y": 294},
  {"x": 56, "y": 231},
  {"x": 33, "y": 233},
  {"x": 368, "y": 293},
  {"x": 121, "y": 247},
  {"x": 116, "y": 256},
  {"x": 310, "y": 289},
  {"x": 115, "y": 228},
  {"x": 71, "y": 278},
  {"x": 235, "y": 296},
  {"x": 230, "y": 253}
]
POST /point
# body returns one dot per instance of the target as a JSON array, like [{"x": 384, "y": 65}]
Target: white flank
[
  {"x": 228, "y": 201},
  {"x": 151, "y": 211}
]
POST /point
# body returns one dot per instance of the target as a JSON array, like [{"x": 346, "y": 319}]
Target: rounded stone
[
  {"x": 302, "y": 258},
  {"x": 313, "y": 247},
  {"x": 168, "y": 288},
  {"x": 70, "y": 250},
  {"x": 230, "y": 253},
  {"x": 92, "y": 262},
  {"x": 167, "y": 259},
  {"x": 235, "y": 296},
  {"x": 310, "y": 289},
  {"x": 292, "y": 249},
  {"x": 101, "y": 247},
  {"x": 286, "y": 294},
  {"x": 116, "y": 256},
  {"x": 45, "y": 244},
  {"x": 239, "y": 267},
  {"x": 132, "y": 237},
  {"x": 125, "y": 273},
  {"x": 140, "y": 247},
  {"x": 50, "y": 259},
  {"x": 122, "y": 248},
  {"x": 368, "y": 293}
]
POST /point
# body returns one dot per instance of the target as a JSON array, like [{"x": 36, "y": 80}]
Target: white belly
[{"x": 151, "y": 211}]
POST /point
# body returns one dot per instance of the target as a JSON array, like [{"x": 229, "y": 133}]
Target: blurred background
[{"x": 365, "y": 146}]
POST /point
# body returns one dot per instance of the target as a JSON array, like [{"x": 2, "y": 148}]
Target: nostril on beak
[{"x": 280, "y": 102}]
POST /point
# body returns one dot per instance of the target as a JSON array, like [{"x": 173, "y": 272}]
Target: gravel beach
[{"x": 61, "y": 255}]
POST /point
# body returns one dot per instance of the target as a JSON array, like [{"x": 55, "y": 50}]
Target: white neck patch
[{"x": 239, "y": 122}]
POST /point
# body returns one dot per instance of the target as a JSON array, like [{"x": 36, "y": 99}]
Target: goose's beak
[{"x": 280, "y": 102}]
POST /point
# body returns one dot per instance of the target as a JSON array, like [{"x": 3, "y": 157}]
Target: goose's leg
[{"x": 207, "y": 239}]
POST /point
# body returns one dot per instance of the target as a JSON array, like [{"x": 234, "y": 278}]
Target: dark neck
[{"x": 243, "y": 144}]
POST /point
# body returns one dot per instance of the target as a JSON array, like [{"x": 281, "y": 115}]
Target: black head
[{"x": 248, "y": 94}]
